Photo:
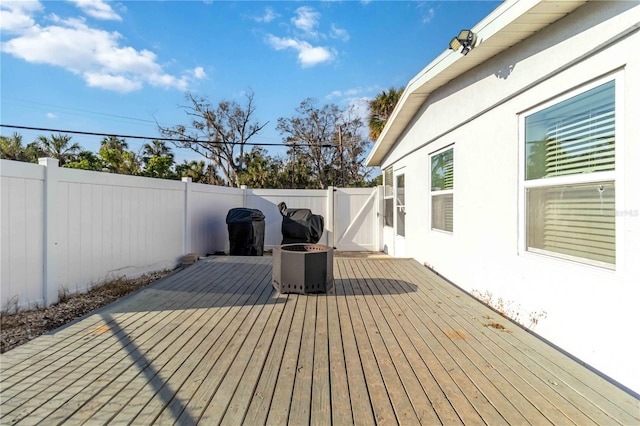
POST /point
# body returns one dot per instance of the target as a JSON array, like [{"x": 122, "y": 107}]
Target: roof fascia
[{"x": 497, "y": 32}]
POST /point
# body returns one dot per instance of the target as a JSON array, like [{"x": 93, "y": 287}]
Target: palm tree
[
  {"x": 11, "y": 148},
  {"x": 380, "y": 109},
  {"x": 155, "y": 149},
  {"x": 113, "y": 142},
  {"x": 86, "y": 160},
  {"x": 59, "y": 146},
  {"x": 116, "y": 158},
  {"x": 196, "y": 170}
]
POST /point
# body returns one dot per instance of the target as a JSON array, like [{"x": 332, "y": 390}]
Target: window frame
[
  {"x": 614, "y": 176},
  {"x": 400, "y": 208},
  {"x": 435, "y": 193},
  {"x": 388, "y": 196}
]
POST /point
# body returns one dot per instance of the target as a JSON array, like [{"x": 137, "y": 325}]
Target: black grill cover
[
  {"x": 300, "y": 225},
  {"x": 246, "y": 232}
]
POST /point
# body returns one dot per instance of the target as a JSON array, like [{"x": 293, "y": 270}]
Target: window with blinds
[
  {"x": 570, "y": 180},
  {"x": 442, "y": 190}
]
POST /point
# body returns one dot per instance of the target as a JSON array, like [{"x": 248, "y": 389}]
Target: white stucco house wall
[{"x": 514, "y": 172}]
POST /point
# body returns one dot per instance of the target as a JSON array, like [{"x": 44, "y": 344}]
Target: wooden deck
[{"x": 214, "y": 344}]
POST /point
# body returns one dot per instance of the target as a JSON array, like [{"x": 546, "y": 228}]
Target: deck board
[
  {"x": 359, "y": 401},
  {"x": 406, "y": 360},
  {"x": 321, "y": 385},
  {"x": 393, "y": 343},
  {"x": 525, "y": 383},
  {"x": 377, "y": 392},
  {"x": 278, "y": 413},
  {"x": 383, "y": 345},
  {"x": 258, "y": 407},
  {"x": 591, "y": 405}
]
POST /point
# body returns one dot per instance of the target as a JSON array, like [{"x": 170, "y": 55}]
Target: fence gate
[{"x": 356, "y": 219}]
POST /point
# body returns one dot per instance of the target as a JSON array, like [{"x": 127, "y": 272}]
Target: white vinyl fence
[{"x": 66, "y": 229}]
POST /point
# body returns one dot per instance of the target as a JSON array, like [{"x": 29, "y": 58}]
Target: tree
[
  {"x": 114, "y": 142},
  {"x": 353, "y": 146},
  {"x": 11, "y": 148},
  {"x": 262, "y": 170},
  {"x": 376, "y": 181},
  {"x": 59, "y": 146},
  {"x": 160, "y": 167},
  {"x": 199, "y": 172},
  {"x": 329, "y": 141},
  {"x": 158, "y": 160},
  {"x": 297, "y": 171},
  {"x": 155, "y": 149},
  {"x": 86, "y": 160},
  {"x": 116, "y": 158},
  {"x": 220, "y": 135},
  {"x": 380, "y": 109}
]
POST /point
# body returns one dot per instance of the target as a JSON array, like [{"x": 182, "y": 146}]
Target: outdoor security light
[{"x": 466, "y": 39}]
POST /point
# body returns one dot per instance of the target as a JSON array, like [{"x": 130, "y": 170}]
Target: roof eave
[{"x": 507, "y": 25}]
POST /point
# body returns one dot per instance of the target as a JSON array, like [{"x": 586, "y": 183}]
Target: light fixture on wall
[{"x": 466, "y": 39}]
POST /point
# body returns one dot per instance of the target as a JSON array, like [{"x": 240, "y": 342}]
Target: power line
[
  {"x": 89, "y": 113},
  {"x": 77, "y": 132},
  {"x": 47, "y": 107}
]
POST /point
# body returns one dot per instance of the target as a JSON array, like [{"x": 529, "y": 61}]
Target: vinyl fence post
[
  {"x": 379, "y": 231},
  {"x": 329, "y": 225},
  {"x": 187, "y": 215},
  {"x": 244, "y": 195},
  {"x": 51, "y": 177}
]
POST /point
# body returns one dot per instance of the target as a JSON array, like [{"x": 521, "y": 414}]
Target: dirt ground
[{"x": 20, "y": 326}]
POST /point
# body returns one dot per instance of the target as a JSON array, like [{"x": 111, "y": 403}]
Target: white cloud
[
  {"x": 95, "y": 55},
  {"x": 360, "y": 107},
  {"x": 117, "y": 83},
  {"x": 97, "y": 9},
  {"x": 356, "y": 100},
  {"x": 166, "y": 80},
  {"x": 339, "y": 33},
  {"x": 306, "y": 22},
  {"x": 198, "y": 73},
  {"x": 51, "y": 115},
  {"x": 350, "y": 93},
  {"x": 268, "y": 16},
  {"x": 308, "y": 55},
  {"x": 428, "y": 15},
  {"x": 16, "y": 16},
  {"x": 306, "y": 19}
]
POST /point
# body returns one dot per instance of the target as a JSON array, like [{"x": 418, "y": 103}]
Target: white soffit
[{"x": 509, "y": 24}]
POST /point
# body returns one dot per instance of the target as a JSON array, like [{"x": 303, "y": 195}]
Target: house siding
[{"x": 591, "y": 311}]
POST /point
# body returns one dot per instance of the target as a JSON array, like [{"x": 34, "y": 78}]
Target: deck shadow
[
  {"x": 144, "y": 363},
  {"x": 235, "y": 282}
]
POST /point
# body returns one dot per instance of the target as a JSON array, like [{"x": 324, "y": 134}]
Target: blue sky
[{"x": 117, "y": 66}]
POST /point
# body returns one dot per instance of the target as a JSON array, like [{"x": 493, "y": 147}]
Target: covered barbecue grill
[
  {"x": 246, "y": 232},
  {"x": 300, "y": 225}
]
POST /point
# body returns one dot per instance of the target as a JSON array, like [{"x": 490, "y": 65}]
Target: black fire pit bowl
[{"x": 302, "y": 268}]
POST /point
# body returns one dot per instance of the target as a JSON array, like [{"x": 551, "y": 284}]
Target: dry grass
[
  {"x": 509, "y": 309},
  {"x": 20, "y": 326}
]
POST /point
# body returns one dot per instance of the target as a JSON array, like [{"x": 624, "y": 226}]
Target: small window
[
  {"x": 400, "y": 206},
  {"x": 442, "y": 190},
  {"x": 569, "y": 182},
  {"x": 388, "y": 197}
]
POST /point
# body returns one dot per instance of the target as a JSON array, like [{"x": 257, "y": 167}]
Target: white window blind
[
  {"x": 577, "y": 219},
  {"x": 573, "y": 220},
  {"x": 442, "y": 190}
]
